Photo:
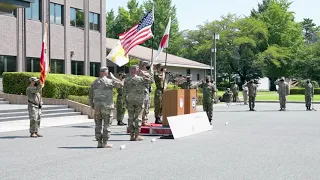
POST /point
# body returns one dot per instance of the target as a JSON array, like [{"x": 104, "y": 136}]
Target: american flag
[{"x": 138, "y": 33}]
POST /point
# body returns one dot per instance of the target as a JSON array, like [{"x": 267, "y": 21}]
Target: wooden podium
[
  {"x": 172, "y": 104},
  {"x": 190, "y": 96}
]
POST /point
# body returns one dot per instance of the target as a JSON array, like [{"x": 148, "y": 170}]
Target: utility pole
[{"x": 215, "y": 37}]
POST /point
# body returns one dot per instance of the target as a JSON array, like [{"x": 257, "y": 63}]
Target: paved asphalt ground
[{"x": 262, "y": 145}]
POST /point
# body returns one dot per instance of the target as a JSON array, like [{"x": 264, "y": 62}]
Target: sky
[{"x": 195, "y": 12}]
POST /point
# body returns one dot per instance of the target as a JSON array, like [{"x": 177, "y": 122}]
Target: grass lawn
[{"x": 273, "y": 96}]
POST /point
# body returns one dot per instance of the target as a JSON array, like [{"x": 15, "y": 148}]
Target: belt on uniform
[{"x": 39, "y": 106}]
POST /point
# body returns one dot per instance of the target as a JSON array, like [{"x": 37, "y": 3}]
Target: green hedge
[
  {"x": 301, "y": 91},
  {"x": 58, "y": 86}
]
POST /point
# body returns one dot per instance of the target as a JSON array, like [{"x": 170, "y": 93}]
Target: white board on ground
[{"x": 189, "y": 124}]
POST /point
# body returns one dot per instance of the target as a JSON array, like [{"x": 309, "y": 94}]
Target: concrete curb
[{"x": 291, "y": 102}]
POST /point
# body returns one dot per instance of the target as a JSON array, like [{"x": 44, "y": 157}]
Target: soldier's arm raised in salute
[
  {"x": 35, "y": 89},
  {"x": 116, "y": 82}
]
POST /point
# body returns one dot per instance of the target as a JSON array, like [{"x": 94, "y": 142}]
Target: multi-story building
[
  {"x": 78, "y": 43},
  {"x": 77, "y": 35}
]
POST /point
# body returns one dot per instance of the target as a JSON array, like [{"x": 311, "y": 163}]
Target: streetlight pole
[{"x": 215, "y": 37}]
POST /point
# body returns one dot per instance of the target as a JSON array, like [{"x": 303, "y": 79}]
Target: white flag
[
  {"x": 117, "y": 55},
  {"x": 164, "y": 43}
]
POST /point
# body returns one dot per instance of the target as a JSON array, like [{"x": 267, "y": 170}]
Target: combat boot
[
  {"x": 33, "y": 135},
  {"x": 105, "y": 144},
  {"x": 99, "y": 143},
  {"x": 158, "y": 121},
  {"x": 210, "y": 121},
  {"x": 121, "y": 123},
  {"x": 138, "y": 138},
  {"x": 38, "y": 135}
]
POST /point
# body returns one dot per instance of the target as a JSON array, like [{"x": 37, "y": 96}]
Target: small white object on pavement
[
  {"x": 226, "y": 123},
  {"x": 123, "y": 146},
  {"x": 153, "y": 140}
]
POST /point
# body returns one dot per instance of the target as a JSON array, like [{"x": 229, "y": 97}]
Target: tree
[
  {"x": 310, "y": 29},
  {"x": 109, "y": 24},
  {"x": 162, "y": 11}
]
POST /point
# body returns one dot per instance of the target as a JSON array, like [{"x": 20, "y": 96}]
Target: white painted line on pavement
[{"x": 47, "y": 122}]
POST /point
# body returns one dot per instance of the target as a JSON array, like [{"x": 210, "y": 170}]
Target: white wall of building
[
  {"x": 264, "y": 84},
  {"x": 197, "y": 74}
]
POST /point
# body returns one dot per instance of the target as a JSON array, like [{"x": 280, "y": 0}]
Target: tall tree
[
  {"x": 162, "y": 11},
  {"x": 310, "y": 29},
  {"x": 109, "y": 24}
]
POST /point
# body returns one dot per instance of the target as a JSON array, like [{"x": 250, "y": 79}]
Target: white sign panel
[{"x": 189, "y": 124}]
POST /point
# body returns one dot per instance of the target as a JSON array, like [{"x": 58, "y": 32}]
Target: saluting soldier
[
  {"x": 134, "y": 95},
  {"x": 209, "y": 92},
  {"x": 309, "y": 91},
  {"x": 159, "y": 79},
  {"x": 101, "y": 100},
  {"x": 34, "y": 106},
  {"x": 283, "y": 91},
  {"x": 147, "y": 90},
  {"x": 252, "y": 89},
  {"x": 120, "y": 101},
  {"x": 235, "y": 91}
]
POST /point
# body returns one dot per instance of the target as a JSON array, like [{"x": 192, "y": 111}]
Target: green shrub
[
  {"x": 57, "y": 86},
  {"x": 223, "y": 85},
  {"x": 302, "y": 84},
  {"x": 301, "y": 91},
  {"x": 79, "y": 99}
]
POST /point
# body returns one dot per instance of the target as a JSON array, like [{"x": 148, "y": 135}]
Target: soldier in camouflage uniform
[
  {"x": 252, "y": 89},
  {"x": 283, "y": 91},
  {"x": 187, "y": 84},
  {"x": 209, "y": 92},
  {"x": 235, "y": 91},
  {"x": 101, "y": 100},
  {"x": 159, "y": 79},
  {"x": 120, "y": 101},
  {"x": 134, "y": 95},
  {"x": 147, "y": 98},
  {"x": 309, "y": 91},
  {"x": 34, "y": 106}
]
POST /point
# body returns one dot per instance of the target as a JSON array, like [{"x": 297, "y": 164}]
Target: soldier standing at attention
[
  {"x": 101, "y": 100},
  {"x": 120, "y": 101},
  {"x": 209, "y": 92},
  {"x": 252, "y": 88},
  {"x": 283, "y": 91},
  {"x": 147, "y": 90},
  {"x": 159, "y": 79},
  {"x": 235, "y": 91},
  {"x": 134, "y": 95},
  {"x": 34, "y": 106},
  {"x": 309, "y": 91},
  {"x": 245, "y": 93}
]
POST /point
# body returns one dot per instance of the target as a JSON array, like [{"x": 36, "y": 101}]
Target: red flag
[{"x": 44, "y": 62}]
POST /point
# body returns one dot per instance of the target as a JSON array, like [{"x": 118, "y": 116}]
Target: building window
[
  {"x": 7, "y": 64},
  {"x": 94, "y": 21},
  {"x": 77, "y": 67},
  {"x": 34, "y": 11},
  {"x": 33, "y": 64},
  {"x": 198, "y": 77},
  {"x": 76, "y": 17},
  {"x": 56, "y": 13},
  {"x": 94, "y": 69},
  {"x": 57, "y": 66},
  {"x": 188, "y": 71}
]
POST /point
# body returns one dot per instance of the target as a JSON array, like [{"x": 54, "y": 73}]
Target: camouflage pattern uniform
[
  {"x": 146, "y": 102},
  {"x": 235, "y": 91},
  {"x": 209, "y": 91},
  {"x": 158, "y": 95},
  {"x": 134, "y": 95},
  {"x": 245, "y": 93},
  {"x": 309, "y": 91},
  {"x": 252, "y": 89},
  {"x": 101, "y": 100},
  {"x": 120, "y": 104},
  {"x": 283, "y": 91},
  {"x": 34, "y": 106}
]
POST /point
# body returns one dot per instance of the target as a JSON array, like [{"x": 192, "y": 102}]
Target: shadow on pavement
[
  {"x": 247, "y": 111},
  {"x": 81, "y": 126},
  {"x": 80, "y": 147},
  {"x": 14, "y": 137}
]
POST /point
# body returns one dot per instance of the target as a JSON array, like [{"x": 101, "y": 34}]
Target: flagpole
[{"x": 152, "y": 30}]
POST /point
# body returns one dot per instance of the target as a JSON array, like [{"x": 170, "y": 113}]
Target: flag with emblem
[
  {"x": 138, "y": 34},
  {"x": 44, "y": 59},
  {"x": 117, "y": 55},
  {"x": 164, "y": 43}
]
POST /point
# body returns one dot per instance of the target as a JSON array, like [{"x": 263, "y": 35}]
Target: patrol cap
[
  {"x": 228, "y": 89},
  {"x": 104, "y": 69},
  {"x": 251, "y": 81},
  {"x": 144, "y": 63},
  {"x": 158, "y": 65},
  {"x": 33, "y": 79},
  {"x": 122, "y": 73},
  {"x": 282, "y": 78},
  {"x": 134, "y": 67}
]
